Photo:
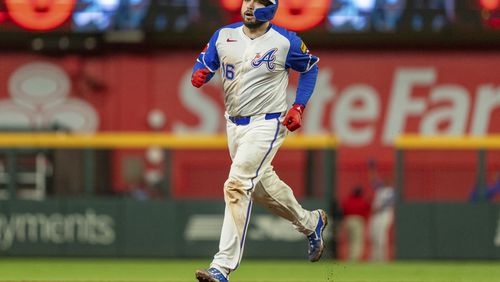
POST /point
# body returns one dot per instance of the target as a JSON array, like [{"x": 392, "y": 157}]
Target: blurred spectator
[
  {"x": 490, "y": 191},
  {"x": 94, "y": 15},
  {"x": 382, "y": 213},
  {"x": 350, "y": 15},
  {"x": 356, "y": 211},
  {"x": 428, "y": 15},
  {"x": 387, "y": 14},
  {"x": 131, "y": 14},
  {"x": 173, "y": 15}
]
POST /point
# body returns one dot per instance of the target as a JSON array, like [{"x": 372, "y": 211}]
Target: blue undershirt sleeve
[
  {"x": 209, "y": 58},
  {"x": 300, "y": 59},
  {"x": 307, "y": 82}
]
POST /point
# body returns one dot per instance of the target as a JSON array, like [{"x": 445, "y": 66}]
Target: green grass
[{"x": 127, "y": 270}]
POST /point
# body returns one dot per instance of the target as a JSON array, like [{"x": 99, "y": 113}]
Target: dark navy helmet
[{"x": 267, "y": 13}]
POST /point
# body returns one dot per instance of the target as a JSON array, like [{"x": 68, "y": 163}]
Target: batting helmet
[{"x": 267, "y": 13}]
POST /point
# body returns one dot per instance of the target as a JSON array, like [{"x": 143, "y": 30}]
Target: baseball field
[{"x": 127, "y": 270}]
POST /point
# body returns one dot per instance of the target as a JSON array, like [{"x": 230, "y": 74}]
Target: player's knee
[
  {"x": 242, "y": 169},
  {"x": 234, "y": 190}
]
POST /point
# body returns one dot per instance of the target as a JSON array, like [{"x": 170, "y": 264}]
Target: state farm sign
[
  {"x": 369, "y": 98},
  {"x": 445, "y": 110}
]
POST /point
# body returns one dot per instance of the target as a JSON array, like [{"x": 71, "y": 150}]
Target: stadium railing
[
  {"x": 480, "y": 144},
  {"x": 10, "y": 143}
]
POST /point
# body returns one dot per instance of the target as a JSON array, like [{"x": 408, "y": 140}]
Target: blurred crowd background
[{"x": 187, "y": 23}]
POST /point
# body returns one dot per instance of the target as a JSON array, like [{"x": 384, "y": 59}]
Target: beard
[{"x": 251, "y": 24}]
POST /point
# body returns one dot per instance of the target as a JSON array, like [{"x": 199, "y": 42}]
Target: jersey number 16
[{"x": 228, "y": 71}]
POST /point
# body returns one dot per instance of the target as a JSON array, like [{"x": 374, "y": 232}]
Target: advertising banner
[
  {"x": 187, "y": 229},
  {"x": 365, "y": 98},
  {"x": 118, "y": 227}
]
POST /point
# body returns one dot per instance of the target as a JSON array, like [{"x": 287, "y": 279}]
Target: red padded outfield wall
[{"x": 365, "y": 98}]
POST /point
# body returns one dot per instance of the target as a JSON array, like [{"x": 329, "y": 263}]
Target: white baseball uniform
[
  {"x": 380, "y": 222},
  {"x": 255, "y": 77}
]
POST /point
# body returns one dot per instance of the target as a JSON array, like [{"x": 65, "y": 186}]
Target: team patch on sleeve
[{"x": 303, "y": 47}]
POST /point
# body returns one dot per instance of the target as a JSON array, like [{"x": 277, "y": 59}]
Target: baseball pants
[{"x": 252, "y": 179}]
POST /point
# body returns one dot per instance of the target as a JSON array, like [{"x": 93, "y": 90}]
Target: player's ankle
[{"x": 222, "y": 270}]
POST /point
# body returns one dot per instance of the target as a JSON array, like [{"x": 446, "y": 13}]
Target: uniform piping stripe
[
  {"x": 268, "y": 151},
  {"x": 311, "y": 66},
  {"x": 250, "y": 203},
  {"x": 249, "y": 209},
  {"x": 203, "y": 58}
]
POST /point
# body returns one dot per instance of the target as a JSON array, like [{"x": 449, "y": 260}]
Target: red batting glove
[
  {"x": 293, "y": 119},
  {"x": 199, "y": 77}
]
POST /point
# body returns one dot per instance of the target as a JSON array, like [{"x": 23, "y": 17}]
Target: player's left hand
[{"x": 293, "y": 119}]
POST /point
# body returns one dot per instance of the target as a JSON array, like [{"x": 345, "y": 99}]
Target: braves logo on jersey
[{"x": 268, "y": 58}]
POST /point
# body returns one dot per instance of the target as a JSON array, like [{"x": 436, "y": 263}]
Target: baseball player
[
  {"x": 382, "y": 216},
  {"x": 254, "y": 58}
]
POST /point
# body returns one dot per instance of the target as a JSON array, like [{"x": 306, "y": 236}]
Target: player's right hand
[{"x": 199, "y": 77}]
